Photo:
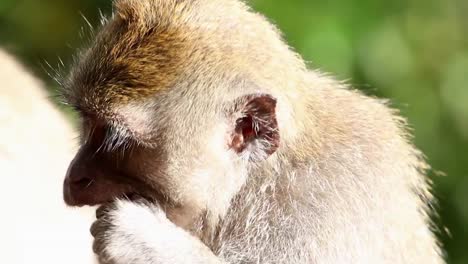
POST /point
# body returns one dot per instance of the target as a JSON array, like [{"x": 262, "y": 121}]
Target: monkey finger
[
  {"x": 135, "y": 197},
  {"x": 96, "y": 228},
  {"x": 103, "y": 210},
  {"x": 98, "y": 247},
  {"x": 105, "y": 260}
]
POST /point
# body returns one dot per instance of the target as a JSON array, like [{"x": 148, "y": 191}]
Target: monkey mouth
[
  {"x": 101, "y": 190},
  {"x": 136, "y": 197},
  {"x": 151, "y": 197}
]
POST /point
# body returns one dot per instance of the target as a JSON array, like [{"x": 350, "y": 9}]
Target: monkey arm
[{"x": 129, "y": 232}]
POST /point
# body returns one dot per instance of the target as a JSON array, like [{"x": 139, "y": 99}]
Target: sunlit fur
[{"x": 345, "y": 186}]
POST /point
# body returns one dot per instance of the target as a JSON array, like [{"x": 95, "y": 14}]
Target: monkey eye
[
  {"x": 98, "y": 136},
  {"x": 94, "y": 133},
  {"x": 105, "y": 137}
]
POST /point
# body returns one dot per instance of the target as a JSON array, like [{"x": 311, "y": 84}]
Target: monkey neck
[{"x": 265, "y": 187}]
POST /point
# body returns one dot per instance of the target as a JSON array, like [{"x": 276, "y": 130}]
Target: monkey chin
[
  {"x": 145, "y": 194},
  {"x": 138, "y": 198}
]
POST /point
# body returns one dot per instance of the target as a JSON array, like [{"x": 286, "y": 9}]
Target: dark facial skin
[
  {"x": 91, "y": 181},
  {"x": 98, "y": 175}
]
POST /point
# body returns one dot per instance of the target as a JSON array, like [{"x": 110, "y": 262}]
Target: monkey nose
[
  {"x": 80, "y": 182},
  {"x": 77, "y": 181},
  {"x": 86, "y": 184},
  {"x": 77, "y": 177}
]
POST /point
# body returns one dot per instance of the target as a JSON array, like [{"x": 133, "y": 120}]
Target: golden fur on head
[
  {"x": 152, "y": 45},
  {"x": 135, "y": 55},
  {"x": 147, "y": 13}
]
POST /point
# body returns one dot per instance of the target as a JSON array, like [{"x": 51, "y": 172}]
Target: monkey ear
[{"x": 256, "y": 128}]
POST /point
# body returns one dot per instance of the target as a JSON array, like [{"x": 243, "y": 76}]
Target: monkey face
[
  {"x": 162, "y": 119},
  {"x": 185, "y": 164}
]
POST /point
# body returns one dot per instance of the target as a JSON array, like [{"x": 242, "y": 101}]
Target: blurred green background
[{"x": 414, "y": 52}]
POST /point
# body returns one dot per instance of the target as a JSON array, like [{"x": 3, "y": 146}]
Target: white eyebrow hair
[
  {"x": 133, "y": 121},
  {"x": 117, "y": 137}
]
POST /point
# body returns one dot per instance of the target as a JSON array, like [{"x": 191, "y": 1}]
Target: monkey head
[{"x": 170, "y": 109}]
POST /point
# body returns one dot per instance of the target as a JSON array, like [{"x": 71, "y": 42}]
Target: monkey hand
[
  {"x": 124, "y": 230},
  {"x": 139, "y": 232}
]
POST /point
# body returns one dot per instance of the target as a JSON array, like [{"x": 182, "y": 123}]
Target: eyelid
[
  {"x": 93, "y": 132},
  {"x": 86, "y": 129},
  {"x": 104, "y": 136}
]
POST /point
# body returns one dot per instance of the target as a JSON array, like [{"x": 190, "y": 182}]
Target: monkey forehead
[
  {"x": 150, "y": 46},
  {"x": 127, "y": 61},
  {"x": 136, "y": 119}
]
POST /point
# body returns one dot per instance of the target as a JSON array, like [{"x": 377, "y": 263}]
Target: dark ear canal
[{"x": 256, "y": 131}]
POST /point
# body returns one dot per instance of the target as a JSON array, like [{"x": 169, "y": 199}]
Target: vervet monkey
[
  {"x": 209, "y": 141},
  {"x": 36, "y": 145}
]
